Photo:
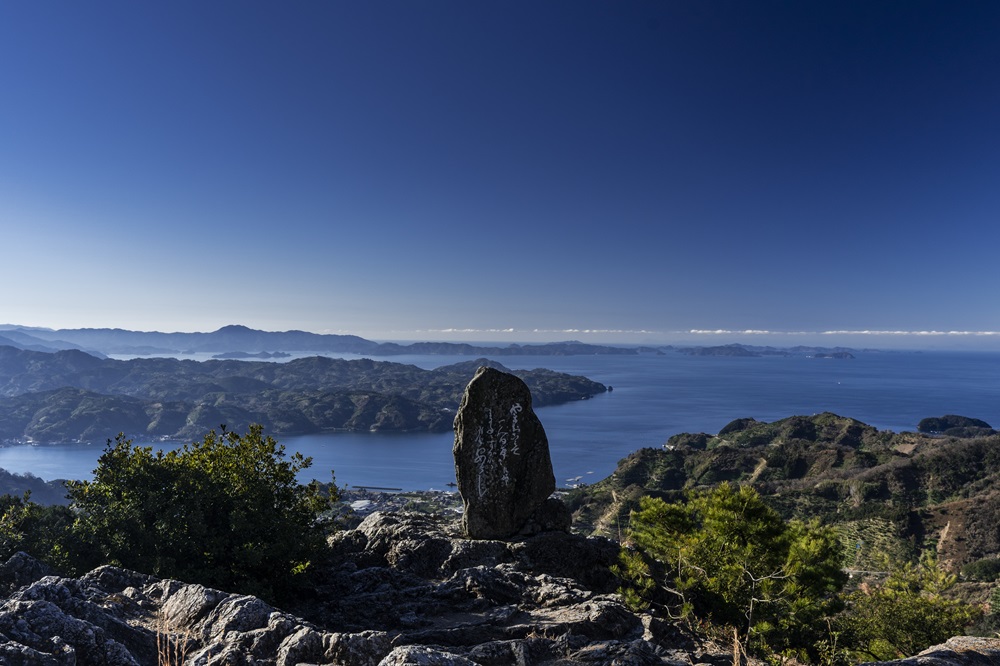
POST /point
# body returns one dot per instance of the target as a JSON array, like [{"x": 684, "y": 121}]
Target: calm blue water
[{"x": 654, "y": 397}]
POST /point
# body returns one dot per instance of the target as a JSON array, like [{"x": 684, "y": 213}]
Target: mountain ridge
[
  {"x": 239, "y": 338},
  {"x": 887, "y": 493}
]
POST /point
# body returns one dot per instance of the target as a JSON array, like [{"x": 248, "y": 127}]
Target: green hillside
[{"x": 886, "y": 493}]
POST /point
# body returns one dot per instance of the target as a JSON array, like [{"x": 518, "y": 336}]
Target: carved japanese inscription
[
  {"x": 502, "y": 458},
  {"x": 496, "y": 440}
]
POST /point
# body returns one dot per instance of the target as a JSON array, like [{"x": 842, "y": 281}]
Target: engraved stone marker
[{"x": 501, "y": 456}]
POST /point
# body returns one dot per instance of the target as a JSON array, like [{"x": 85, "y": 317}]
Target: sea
[{"x": 653, "y": 398}]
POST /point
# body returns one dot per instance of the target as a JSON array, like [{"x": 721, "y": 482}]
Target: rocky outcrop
[
  {"x": 113, "y": 617},
  {"x": 399, "y": 589},
  {"x": 502, "y": 460},
  {"x": 958, "y": 651},
  {"x": 442, "y": 598}
]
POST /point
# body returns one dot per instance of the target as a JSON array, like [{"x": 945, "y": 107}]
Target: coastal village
[{"x": 358, "y": 502}]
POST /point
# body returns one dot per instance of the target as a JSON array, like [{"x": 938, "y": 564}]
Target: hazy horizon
[{"x": 879, "y": 340}]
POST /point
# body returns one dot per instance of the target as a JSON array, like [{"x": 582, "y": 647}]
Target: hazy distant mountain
[
  {"x": 69, "y": 395},
  {"x": 42, "y": 492},
  {"x": 226, "y": 339},
  {"x": 21, "y": 340},
  {"x": 570, "y": 348},
  {"x": 720, "y": 350},
  {"x": 242, "y": 339},
  {"x": 753, "y": 350}
]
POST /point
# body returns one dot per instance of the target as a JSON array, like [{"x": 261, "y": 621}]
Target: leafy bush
[
  {"x": 986, "y": 569},
  {"x": 906, "y": 613},
  {"x": 45, "y": 532},
  {"x": 226, "y": 512},
  {"x": 969, "y": 432},
  {"x": 726, "y": 557}
]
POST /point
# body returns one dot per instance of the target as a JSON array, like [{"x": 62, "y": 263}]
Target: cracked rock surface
[{"x": 400, "y": 589}]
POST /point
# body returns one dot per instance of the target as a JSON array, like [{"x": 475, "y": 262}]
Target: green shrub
[
  {"x": 986, "y": 569},
  {"x": 906, "y": 613},
  {"x": 726, "y": 557},
  {"x": 44, "y": 532},
  {"x": 226, "y": 512}
]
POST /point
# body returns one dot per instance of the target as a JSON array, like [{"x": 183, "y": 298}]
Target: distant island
[
  {"x": 953, "y": 425},
  {"x": 71, "y": 395},
  {"x": 751, "y": 351},
  {"x": 260, "y": 355},
  {"x": 63, "y": 385},
  {"x": 838, "y": 354},
  {"x": 723, "y": 350}
]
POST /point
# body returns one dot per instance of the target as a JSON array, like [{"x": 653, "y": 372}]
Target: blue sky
[{"x": 604, "y": 171}]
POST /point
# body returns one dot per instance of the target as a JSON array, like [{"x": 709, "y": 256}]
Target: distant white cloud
[
  {"x": 467, "y": 330},
  {"x": 882, "y": 338},
  {"x": 697, "y": 331},
  {"x": 915, "y": 333},
  {"x": 588, "y": 331},
  {"x": 596, "y": 331},
  {"x": 749, "y": 331}
]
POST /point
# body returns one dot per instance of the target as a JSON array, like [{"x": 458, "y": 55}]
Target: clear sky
[{"x": 603, "y": 171}]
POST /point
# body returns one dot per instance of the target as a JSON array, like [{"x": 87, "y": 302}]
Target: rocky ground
[
  {"x": 400, "y": 588},
  {"x": 958, "y": 651}
]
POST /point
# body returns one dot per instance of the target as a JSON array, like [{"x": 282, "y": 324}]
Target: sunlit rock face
[
  {"x": 502, "y": 458},
  {"x": 956, "y": 651}
]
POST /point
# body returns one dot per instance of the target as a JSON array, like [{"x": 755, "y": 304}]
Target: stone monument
[{"x": 502, "y": 461}]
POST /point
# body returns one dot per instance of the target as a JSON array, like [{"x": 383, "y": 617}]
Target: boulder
[
  {"x": 502, "y": 461},
  {"x": 414, "y": 655},
  {"x": 956, "y": 651},
  {"x": 113, "y": 617},
  {"x": 20, "y": 570}
]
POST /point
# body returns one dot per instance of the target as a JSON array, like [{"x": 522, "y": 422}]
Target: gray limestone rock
[
  {"x": 502, "y": 458},
  {"x": 114, "y": 617},
  {"x": 402, "y": 589},
  {"x": 20, "y": 570},
  {"x": 956, "y": 651},
  {"x": 417, "y": 655}
]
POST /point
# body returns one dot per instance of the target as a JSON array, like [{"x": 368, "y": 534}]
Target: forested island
[{"x": 73, "y": 396}]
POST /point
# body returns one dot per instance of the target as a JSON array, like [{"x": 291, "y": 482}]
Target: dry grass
[{"x": 171, "y": 645}]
